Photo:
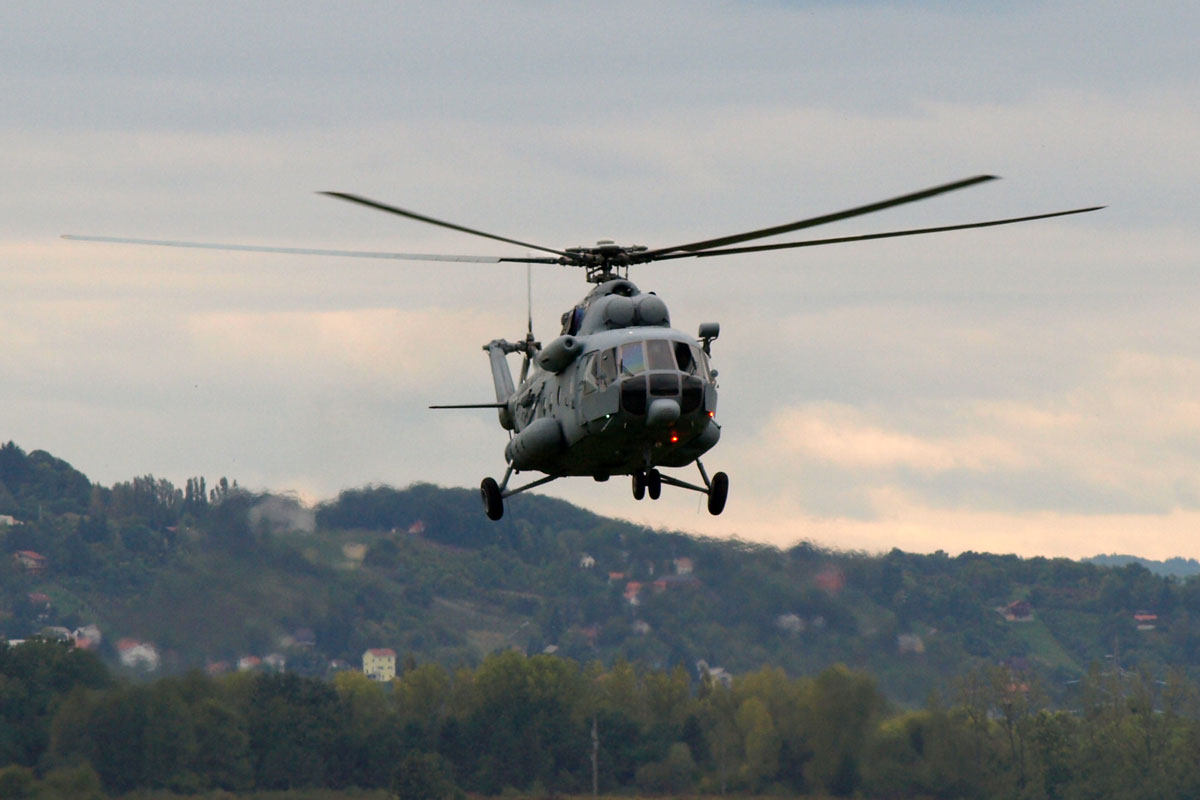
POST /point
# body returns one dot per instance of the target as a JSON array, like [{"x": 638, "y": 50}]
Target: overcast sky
[{"x": 1031, "y": 389}]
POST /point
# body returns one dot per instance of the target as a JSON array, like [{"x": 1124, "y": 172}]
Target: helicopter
[{"x": 618, "y": 391}]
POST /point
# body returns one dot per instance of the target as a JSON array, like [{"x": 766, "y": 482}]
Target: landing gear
[
  {"x": 645, "y": 482},
  {"x": 651, "y": 481},
  {"x": 493, "y": 500},
  {"x": 493, "y": 493}
]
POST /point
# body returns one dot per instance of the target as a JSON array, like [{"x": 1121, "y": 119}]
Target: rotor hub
[{"x": 604, "y": 262}]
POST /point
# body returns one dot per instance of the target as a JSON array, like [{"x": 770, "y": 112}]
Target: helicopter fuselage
[{"x": 620, "y": 391}]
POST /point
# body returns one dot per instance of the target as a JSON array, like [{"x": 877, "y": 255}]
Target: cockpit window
[
  {"x": 658, "y": 354},
  {"x": 633, "y": 358},
  {"x": 683, "y": 354},
  {"x": 691, "y": 359}
]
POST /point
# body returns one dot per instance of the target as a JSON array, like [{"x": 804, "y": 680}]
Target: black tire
[
  {"x": 493, "y": 502},
  {"x": 639, "y": 485},
  {"x": 718, "y": 491},
  {"x": 654, "y": 484}
]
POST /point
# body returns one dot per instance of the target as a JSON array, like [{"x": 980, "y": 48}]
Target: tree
[{"x": 423, "y": 776}]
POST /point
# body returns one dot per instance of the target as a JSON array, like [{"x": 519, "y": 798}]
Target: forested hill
[{"x": 206, "y": 576}]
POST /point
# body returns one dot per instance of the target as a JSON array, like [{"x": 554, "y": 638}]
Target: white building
[
  {"x": 379, "y": 663},
  {"x": 137, "y": 654}
]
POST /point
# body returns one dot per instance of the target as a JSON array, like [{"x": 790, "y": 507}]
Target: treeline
[{"x": 548, "y": 725}]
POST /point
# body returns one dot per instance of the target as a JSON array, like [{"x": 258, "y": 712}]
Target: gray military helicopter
[{"x": 619, "y": 391}]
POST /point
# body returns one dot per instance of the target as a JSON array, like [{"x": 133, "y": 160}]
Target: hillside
[{"x": 209, "y": 577}]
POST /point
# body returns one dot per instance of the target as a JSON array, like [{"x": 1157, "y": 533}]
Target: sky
[{"x": 1029, "y": 389}]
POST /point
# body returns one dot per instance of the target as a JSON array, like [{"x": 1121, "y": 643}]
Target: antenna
[{"x": 530, "y": 346}]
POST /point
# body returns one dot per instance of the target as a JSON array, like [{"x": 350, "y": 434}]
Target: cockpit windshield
[
  {"x": 662, "y": 355},
  {"x": 633, "y": 358}
]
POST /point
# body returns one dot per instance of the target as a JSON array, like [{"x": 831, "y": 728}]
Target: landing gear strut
[{"x": 493, "y": 493}]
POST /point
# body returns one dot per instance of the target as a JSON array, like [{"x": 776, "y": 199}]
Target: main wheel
[
  {"x": 493, "y": 502},
  {"x": 718, "y": 491},
  {"x": 639, "y": 485},
  {"x": 653, "y": 483}
]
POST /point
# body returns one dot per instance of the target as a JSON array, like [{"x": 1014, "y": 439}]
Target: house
[
  {"x": 249, "y": 663},
  {"x": 379, "y": 664},
  {"x": 830, "y": 579},
  {"x": 632, "y": 590},
  {"x": 675, "y": 582},
  {"x": 417, "y": 528},
  {"x": 1017, "y": 611},
  {"x": 684, "y": 566},
  {"x": 275, "y": 662},
  {"x": 87, "y": 637},
  {"x": 8, "y": 520},
  {"x": 613, "y": 577},
  {"x": 586, "y": 562},
  {"x": 31, "y": 561},
  {"x": 589, "y": 633},
  {"x": 910, "y": 643},
  {"x": 1145, "y": 621},
  {"x": 641, "y": 627},
  {"x": 792, "y": 623},
  {"x": 137, "y": 655}
]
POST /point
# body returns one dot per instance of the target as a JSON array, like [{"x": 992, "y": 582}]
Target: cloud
[
  {"x": 1043, "y": 374},
  {"x": 843, "y": 437}
]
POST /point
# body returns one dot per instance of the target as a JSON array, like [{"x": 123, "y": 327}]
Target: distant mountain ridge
[
  {"x": 1178, "y": 567},
  {"x": 211, "y": 578}
]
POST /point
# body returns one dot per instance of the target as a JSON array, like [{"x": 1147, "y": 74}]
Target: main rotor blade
[
  {"x": 353, "y": 198},
  {"x": 729, "y": 251},
  {"x": 709, "y": 244},
  {"x": 306, "y": 251},
  {"x": 475, "y": 405}
]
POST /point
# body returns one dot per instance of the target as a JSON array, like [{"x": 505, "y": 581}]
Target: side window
[
  {"x": 588, "y": 372},
  {"x": 633, "y": 359},
  {"x": 607, "y": 372}
]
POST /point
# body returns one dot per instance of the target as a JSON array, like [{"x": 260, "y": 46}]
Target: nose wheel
[{"x": 647, "y": 482}]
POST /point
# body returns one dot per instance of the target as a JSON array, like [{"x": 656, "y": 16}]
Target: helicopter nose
[{"x": 662, "y": 412}]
